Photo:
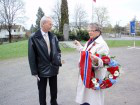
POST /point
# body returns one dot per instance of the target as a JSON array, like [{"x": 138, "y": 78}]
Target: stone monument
[{"x": 66, "y": 32}]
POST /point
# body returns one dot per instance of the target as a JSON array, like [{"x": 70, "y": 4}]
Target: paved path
[{"x": 18, "y": 87}]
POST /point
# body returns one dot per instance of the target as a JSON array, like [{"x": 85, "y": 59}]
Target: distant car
[{"x": 111, "y": 36}]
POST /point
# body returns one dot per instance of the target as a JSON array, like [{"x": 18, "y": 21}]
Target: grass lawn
[
  {"x": 13, "y": 50},
  {"x": 20, "y": 49},
  {"x": 121, "y": 43}
]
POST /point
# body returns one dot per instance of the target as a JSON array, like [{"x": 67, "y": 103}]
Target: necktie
[{"x": 46, "y": 37}]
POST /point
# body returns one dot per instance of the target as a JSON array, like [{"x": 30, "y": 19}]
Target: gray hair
[
  {"x": 96, "y": 26},
  {"x": 43, "y": 20}
]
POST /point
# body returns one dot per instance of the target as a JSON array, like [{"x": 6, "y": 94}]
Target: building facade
[{"x": 16, "y": 31}]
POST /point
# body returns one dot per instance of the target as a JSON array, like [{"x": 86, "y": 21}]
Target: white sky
[{"x": 121, "y": 11}]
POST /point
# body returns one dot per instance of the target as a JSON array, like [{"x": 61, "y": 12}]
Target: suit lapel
[{"x": 42, "y": 42}]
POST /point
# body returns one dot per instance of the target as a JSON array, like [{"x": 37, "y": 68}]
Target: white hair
[
  {"x": 43, "y": 20},
  {"x": 96, "y": 26}
]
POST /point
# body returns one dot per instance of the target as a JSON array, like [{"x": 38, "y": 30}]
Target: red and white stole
[{"x": 86, "y": 68}]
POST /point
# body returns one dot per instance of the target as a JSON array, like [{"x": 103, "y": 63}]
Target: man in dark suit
[{"x": 44, "y": 57}]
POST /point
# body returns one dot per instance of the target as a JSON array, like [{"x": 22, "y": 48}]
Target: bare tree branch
[
  {"x": 101, "y": 14},
  {"x": 57, "y": 15},
  {"x": 80, "y": 16},
  {"x": 10, "y": 11}
]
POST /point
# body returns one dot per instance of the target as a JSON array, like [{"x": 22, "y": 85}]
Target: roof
[{"x": 13, "y": 26}]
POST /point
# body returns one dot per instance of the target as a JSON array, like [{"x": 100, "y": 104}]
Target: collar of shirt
[
  {"x": 99, "y": 39},
  {"x": 92, "y": 40},
  {"x": 43, "y": 33}
]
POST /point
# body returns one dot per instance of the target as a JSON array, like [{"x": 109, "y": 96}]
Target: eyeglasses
[{"x": 92, "y": 30}]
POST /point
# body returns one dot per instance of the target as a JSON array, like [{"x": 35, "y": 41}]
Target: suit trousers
[{"x": 42, "y": 85}]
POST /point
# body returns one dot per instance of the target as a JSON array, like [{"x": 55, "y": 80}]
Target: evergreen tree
[
  {"x": 39, "y": 15},
  {"x": 32, "y": 29},
  {"x": 64, "y": 14}
]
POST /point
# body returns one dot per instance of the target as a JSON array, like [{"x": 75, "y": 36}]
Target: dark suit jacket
[{"x": 41, "y": 63}]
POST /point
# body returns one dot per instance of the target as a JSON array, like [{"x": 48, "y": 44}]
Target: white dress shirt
[{"x": 46, "y": 38}]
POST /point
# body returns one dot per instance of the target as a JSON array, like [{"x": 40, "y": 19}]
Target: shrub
[
  {"x": 59, "y": 35},
  {"x": 72, "y": 35},
  {"x": 138, "y": 33},
  {"x": 82, "y": 35}
]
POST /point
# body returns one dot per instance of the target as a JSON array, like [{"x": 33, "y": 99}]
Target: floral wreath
[{"x": 113, "y": 72}]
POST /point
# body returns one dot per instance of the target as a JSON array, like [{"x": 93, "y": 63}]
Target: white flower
[
  {"x": 110, "y": 76},
  {"x": 97, "y": 85},
  {"x": 94, "y": 80},
  {"x": 116, "y": 73}
]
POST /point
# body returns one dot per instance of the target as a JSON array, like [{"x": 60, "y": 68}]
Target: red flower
[
  {"x": 112, "y": 69},
  {"x": 108, "y": 83},
  {"x": 106, "y": 59},
  {"x": 103, "y": 85},
  {"x": 114, "y": 77},
  {"x": 97, "y": 55}
]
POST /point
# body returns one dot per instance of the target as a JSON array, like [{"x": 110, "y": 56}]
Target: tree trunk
[{"x": 10, "y": 36}]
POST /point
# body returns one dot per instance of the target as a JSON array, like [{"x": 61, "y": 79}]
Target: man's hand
[
  {"x": 37, "y": 77},
  {"x": 62, "y": 61}
]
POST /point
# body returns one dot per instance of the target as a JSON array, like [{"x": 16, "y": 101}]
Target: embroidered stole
[{"x": 86, "y": 68}]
